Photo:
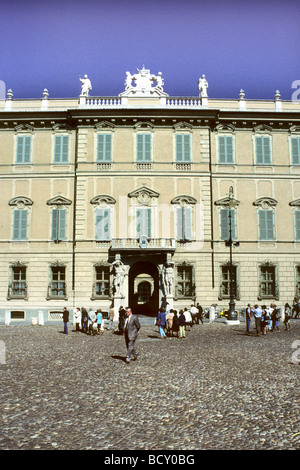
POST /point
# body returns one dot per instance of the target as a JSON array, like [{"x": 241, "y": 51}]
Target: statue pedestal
[
  {"x": 118, "y": 301},
  {"x": 170, "y": 300}
]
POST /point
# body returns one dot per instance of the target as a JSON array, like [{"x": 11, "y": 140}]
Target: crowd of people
[
  {"x": 267, "y": 318},
  {"x": 171, "y": 323},
  {"x": 89, "y": 322}
]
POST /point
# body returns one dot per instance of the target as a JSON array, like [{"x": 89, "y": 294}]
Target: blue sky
[{"x": 249, "y": 45}]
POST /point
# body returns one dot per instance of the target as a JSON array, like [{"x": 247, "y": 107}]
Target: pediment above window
[
  {"x": 143, "y": 195},
  {"x": 24, "y": 127},
  {"x": 225, "y": 202},
  {"x": 59, "y": 201},
  {"x": 143, "y": 125},
  {"x": 20, "y": 201},
  {"x": 225, "y": 128},
  {"x": 265, "y": 202},
  {"x": 262, "y": 128},
  {"x": 183, "y": 126},
  {"x": 104, "y": 125},
  {"x": 295, "y": 203},
  {"x": 295, "y": 129},
  {"x": 183, "y": 199},
  {"x": 103, "y": 199}
]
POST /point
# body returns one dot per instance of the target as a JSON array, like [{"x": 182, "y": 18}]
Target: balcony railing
[{"x": 143, "y": 244}]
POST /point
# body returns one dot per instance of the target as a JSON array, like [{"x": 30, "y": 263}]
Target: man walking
[
  {"x": 65, "y": 320},
  {"x": 131, "y": 328}
]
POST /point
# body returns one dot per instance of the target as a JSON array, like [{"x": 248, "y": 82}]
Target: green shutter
[
  {"x": 23, "y": 149},
  {"x": 266, "y": 225},
  {"x": 295, "y": 141},
  {"x": 263, "y": 150},
  {"x": 103, "y": 224},
  {"x": 183, "y": 148},
  {"x": 20, "y": 225},
  {"x": 104, "y": 148},
  {"x": 225, "y": 149},
  {"x": 180, "y": 230},
  {"x": 144, "y": 148},
  {"x": 225, "y": 224},
  {"x": 61, "y": 149},
  {"x": 54, "y": 234},
  {"x": 187, "y": 223},
  {"x": 143, "y": 222},
  {"x": 297, "y": 225},
  {"x": 59, "y": 220}
]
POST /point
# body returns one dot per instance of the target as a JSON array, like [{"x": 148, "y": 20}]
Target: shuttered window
[
  {"x": 103, "y": 224},
  {"x": 20, "y": 225},
  {"x": 295, "y": 142},
  {"x": 263, "y": 150},
  {"x": 225, "y": 224},
  {"x": 104, "y": 148},
  {"x": 23, "y": 149},
  {"x": 143, "y": 222},
  {"x": 184, "y": 223},
  {"x": 61, "y": 149},
  {"x": 266, "y": 225},
  {"x": 297, "y": 225},
  {"x": 143, "y": 151},
  {"x": 225, "y": 149},
  {"x": 183, "y": 148},
  {"x": 59, "y": 221}
]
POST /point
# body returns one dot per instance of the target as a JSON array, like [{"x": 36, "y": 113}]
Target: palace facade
[{"x": 131, "y": 200}]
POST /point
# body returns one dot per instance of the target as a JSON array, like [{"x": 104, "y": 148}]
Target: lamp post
[{"x": 232, "y": 316}]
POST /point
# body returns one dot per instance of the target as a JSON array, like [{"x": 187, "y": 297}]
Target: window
[
  {"x": 263, "y": 150},
  {"x": 225, "y": 281},
  {"x": 59, "y": 219},
  {"x": 225, "y": 149},
  {"x": 104, "y": 148},
  {"x": 143, "y": 222},
  {"x": 295, "y": 144},
  {"x": 297, "y": 225},
  {"x": 225, "y": 224},
  {"x": 266, "y": 225},
  {"x": 103, "y": 224},
  {"x": 18, "y": 284},
  {"x": 185, "y": 281},
  {"x": 20, "y": 224},
  {"x": 102, "y": 284},
  {"x": 58, "y": 282},
  {"x": 183, "y": 148},
  {"x": 268, "y": 287},
  {"x": 23, "y": 149},
  {"x": 184, "y": 223},
  {"x": 143, "y": 147},
  {"x": 61, "y": 149}
]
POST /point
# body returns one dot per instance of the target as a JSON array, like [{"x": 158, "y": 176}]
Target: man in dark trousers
[
  {"x": 65, "y": 320},
  {"x": 131, "y": 328}
]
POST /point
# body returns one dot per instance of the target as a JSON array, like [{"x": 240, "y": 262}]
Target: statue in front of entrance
[
  {"x": 86, "y": 86},
  {"x": 168, "y": 277},
  {"x": 119, "y": 277}
]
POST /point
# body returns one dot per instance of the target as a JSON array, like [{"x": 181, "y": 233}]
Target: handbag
[{"x": 158, "y": 322}]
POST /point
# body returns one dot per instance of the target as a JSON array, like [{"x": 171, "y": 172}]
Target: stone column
[{"x": 7, "y": 317}]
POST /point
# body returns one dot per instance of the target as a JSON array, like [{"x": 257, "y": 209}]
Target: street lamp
[{"x": 232, "y": 316}]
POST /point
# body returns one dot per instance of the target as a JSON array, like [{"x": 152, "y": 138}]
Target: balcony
[{"x": 143, "y": 244}]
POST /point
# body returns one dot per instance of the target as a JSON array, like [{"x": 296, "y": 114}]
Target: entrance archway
[{"x": 144, "y": 288}]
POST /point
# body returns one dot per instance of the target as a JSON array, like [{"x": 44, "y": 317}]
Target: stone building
[{"x": 130, "y": 200}]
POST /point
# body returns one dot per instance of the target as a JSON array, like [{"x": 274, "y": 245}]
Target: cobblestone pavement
[{"x": 216, "y": 389}]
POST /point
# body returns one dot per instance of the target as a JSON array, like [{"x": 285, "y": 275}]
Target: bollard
[
  {"x": 7, "y": 317},
  {"x": 34, "y": 321},
  {"x": 41, "y": 317}
]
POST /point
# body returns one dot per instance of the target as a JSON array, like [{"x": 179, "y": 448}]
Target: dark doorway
[{"x": 144, "y": 288}]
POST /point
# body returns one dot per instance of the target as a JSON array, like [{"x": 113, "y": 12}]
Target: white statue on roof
[
  {"x": 202, "y": 86},
  {"x": 86, "y": 85}
]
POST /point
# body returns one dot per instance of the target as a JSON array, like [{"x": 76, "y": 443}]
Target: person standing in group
[
  {"x": 194, "y": 312},
  {"x": 264, "y": 320},
  {"x": 99, "y": 321},
  {"x": 248, "y": 318},
  {"x": 161, "y": 318},
  {"x": 131, "y": 329},
  {"x": 188, "y": 318},
  {"x": 169, "y": 319},
  {"x": 77, "y": 316},
  {"x": 85, "y": 320},
  {"x": 111, "y": 316},
  {"x": 287, "y": 317},
  {"x": 257, "y": 312},
  {"x": 275, "y": 316},
  {"x": 175, "y": 326},
  {"x": 65, "y": 320},
  {"x": 92, "y": 320},
  {"x": 181, "y": 324},
  {"x": 199, "y": 314}
]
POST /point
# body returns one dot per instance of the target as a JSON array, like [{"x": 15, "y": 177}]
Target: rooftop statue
[
  {"x": 86, "y": 86},
  {"x": 202, "y": 86}
]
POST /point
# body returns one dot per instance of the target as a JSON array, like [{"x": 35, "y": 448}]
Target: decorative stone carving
[
  {"x": 143, "y": 83},
  {"x": 168, "y": 276},
  {"x": 119, "y": 276},
  {"x": 202, "y": 86}
]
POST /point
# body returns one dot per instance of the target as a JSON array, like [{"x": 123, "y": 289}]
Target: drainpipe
[
  {"x": 211, "y": 215},
  {"x": 74, "y": 216}
]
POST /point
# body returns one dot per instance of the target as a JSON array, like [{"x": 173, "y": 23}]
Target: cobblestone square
[{"x": 217, "y": 389}]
